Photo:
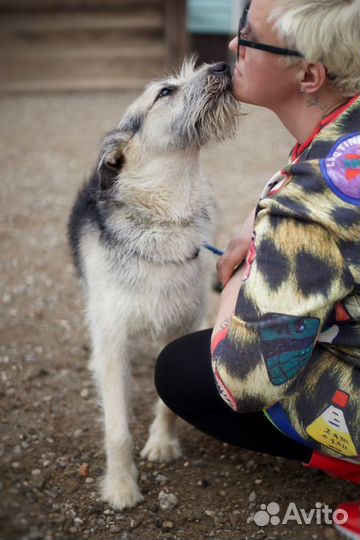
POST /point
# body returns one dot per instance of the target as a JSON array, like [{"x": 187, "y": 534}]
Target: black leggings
[{"x": 185, "y": 382}]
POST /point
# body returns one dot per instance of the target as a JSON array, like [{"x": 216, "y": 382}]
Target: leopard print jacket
[{"x": 292, "y": 347}]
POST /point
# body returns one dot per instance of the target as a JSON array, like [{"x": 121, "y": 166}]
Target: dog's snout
[{"x": 219, "y": 69}]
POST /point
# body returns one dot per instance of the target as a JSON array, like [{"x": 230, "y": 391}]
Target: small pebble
[
  {"x": 167, "y": 524},
  {"x": 203, "y": 483},
  {"x": 167, "y": 501},
  {"x": 115, "y": 529},
  {"x": 161, "y": 478},
  {"x": 84, "y": 470}
]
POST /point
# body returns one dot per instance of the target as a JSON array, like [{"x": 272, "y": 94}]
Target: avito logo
[{"x": 321, "y": 514}]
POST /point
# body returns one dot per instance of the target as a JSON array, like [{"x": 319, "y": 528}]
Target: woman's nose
[{"x": 233, "y": 45}]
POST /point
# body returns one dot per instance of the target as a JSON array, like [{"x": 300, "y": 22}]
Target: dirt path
[{"x": 49, "y": 410}]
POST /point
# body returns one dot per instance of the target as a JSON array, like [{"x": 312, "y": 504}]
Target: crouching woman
[{"x": 280, "y": 371}]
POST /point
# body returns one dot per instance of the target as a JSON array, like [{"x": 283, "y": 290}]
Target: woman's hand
[
  {"x": 234, "y": 255},
  {"x": 236, "y": 251}
]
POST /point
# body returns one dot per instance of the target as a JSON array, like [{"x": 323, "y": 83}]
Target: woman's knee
[
  {"x": 181, "y": 368},
  {"x": 165, "y": 365}
]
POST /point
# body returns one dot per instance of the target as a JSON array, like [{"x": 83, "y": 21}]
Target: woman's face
[{"x": 260, "y": 77}]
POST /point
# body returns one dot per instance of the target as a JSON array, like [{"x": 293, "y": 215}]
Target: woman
[{"x": 283, "y": 375}]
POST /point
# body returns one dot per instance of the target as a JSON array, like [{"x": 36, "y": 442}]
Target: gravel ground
[{"x": 51, "y": 454}]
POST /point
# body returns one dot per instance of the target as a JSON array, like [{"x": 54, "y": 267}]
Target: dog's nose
[{"x": 220, "y": 69}]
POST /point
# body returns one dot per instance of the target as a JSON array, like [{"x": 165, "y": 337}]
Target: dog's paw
[
  {"x": 161, "y": 449},
  {"x": 121, "y": 491}
]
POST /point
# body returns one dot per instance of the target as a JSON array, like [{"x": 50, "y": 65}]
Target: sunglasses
[{"x": 254, "y": 44}]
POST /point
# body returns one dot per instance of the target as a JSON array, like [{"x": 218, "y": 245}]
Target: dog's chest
[
  {"x": 163, "y": 299},
  {"x": 143, "y": 287},
  {"x": 173, "y": 306}
]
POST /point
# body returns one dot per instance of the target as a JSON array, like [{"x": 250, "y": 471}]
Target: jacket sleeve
[{"x": 295, "y": 274}]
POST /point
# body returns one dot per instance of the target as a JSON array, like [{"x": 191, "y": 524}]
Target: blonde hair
[{"x": 326, "y": 32}]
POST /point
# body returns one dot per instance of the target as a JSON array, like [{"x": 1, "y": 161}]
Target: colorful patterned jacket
[{"x": 294, "y": 339}]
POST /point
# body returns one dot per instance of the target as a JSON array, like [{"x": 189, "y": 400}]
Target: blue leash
[{"x": 213, "y": 249}]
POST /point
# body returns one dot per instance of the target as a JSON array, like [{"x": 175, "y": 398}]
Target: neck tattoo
[{"x": 315, "y": 102}]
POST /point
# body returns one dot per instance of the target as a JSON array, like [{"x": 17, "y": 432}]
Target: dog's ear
[{"x": 112, "y": 158}]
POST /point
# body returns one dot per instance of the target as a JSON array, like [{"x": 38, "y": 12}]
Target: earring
[{"x": 302, "y": 91}]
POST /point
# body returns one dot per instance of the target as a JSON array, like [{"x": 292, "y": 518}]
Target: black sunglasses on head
[{"x": 254, "y": 44}]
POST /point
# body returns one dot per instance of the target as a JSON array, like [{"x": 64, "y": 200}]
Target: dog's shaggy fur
[{"x": 136, "y": 232}]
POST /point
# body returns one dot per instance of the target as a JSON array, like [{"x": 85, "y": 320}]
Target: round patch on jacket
[{"x": 341, "y": 169}]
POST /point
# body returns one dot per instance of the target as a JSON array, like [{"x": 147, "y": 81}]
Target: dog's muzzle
[{"x": 222, "y": 71}]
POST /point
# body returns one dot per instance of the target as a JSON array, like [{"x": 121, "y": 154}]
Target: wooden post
[{"x": 176, "y": 37}]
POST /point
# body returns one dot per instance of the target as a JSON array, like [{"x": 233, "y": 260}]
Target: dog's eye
[{"x": 164, "y": 92}]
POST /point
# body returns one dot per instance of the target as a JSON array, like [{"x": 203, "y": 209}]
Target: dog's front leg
[
  {"x": 112, "y": 371},
  {"x": 162, "y": 444}
]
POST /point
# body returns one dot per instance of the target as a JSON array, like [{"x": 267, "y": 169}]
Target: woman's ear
[{"x": 312, "y": 78}]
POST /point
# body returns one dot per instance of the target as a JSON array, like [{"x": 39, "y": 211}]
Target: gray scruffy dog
[{"x": 136, "y": 231}]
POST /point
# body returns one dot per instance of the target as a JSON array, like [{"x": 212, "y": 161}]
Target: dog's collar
[{"x": 211, "y": 248}]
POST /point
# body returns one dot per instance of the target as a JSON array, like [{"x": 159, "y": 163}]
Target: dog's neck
[{"x": 165, "y": 187}]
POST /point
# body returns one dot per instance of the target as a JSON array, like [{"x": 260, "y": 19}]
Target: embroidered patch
[
  {"x": 341, "y": 169},
  {"x": 331, "y": 429},
  {"x": 286, "y": 344}
]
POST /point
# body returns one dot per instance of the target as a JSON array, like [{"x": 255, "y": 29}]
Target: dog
[{"x": 136, "y": 231}]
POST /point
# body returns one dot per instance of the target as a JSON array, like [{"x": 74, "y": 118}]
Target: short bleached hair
[{"x": 326, "y": 32}]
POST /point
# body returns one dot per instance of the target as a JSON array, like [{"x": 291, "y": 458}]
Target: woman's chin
[{"x": 237, "y": 90}]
